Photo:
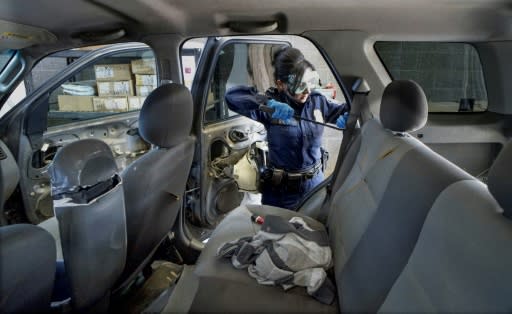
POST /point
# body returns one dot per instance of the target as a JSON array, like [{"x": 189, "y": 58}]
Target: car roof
[{"x": 440, "y": 20}]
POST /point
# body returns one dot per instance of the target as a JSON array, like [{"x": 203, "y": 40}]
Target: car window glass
[
  {"x": 113, "y": 84},
  {"x": 43, "y": 71},
  {"x": 238, "y": 64},
  {"x": 17, "y": 95},
  {"x": 251, "y": 64},
  {"x": 190, "y": 54},
  {"x": 449, "y": 73}
]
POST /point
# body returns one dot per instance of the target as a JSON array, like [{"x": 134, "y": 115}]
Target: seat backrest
[
  {"x": 89, "y": 206},
  {"x": 365, "y": 174},
  {"x": 377, "y": 213},
  {"x": 27, "y": 269},
  {"x": 155, "y": 183},
  {"x": 461, "y": 262}
]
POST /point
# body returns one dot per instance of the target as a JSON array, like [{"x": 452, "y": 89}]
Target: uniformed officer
[{"x": 295, "y": 166}]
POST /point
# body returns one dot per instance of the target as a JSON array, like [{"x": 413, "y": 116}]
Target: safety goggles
[{"x": 310, "y": 80}]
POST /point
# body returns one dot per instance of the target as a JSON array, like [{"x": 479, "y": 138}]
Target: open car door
[{"x": 224, "y": 168}]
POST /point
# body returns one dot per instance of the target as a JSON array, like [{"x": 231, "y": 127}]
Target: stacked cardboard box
[
  {"x": 145, "y": 76},
  {"x": 115, "y": 88},
  {"x": 75, "y": 103},
  {"x": 135, "y": 102},
  {"x": 115, "y": 84},
  {"x": 144, "y": 66},
  {"x": 75, "y": 96},
  {"x": 112, "y": 72},
  {"x": 110, "y": 103}
]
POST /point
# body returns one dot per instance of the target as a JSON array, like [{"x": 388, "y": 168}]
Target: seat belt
[{"x": 359, "y": 110}]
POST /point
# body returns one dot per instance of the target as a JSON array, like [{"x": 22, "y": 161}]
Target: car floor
[{"x": 142, "y": 293}]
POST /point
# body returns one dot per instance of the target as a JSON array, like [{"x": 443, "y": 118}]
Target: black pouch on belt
[
  {"x": 294, "y": 182},
  {"x": 277, "y": 176}
]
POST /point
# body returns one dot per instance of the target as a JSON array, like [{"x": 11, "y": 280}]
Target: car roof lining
[{"x": 440, "y": 20}]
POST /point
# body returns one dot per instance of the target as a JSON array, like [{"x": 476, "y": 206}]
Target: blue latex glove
[
  {"x": 282, "y": 111},
  {"x": 342, "y": 121}
]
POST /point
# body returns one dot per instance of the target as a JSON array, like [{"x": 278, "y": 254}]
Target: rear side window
[{"x": 449, "y": 73}]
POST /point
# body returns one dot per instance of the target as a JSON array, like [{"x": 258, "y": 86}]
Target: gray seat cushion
[
  {"x": 461, "y": 262},
  {"x": 215, "y": 285}
]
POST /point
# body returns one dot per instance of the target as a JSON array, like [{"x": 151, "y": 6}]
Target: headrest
[
  {"x": 499, "y": 182},
  {"x": 404, "y": 107},
  {"x": 166, "y": 115},
  {"x": 81, "y": 164}
]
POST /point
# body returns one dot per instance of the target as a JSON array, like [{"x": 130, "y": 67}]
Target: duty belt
[{"x": 280, "y": 175}]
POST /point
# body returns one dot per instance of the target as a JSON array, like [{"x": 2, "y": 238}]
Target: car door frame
[{"x": 207, "y": 133}]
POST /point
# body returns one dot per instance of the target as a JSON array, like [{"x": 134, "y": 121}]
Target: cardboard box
[
  {"x": 135, "y": 102},
  {"x": 144, "y": 90},
  {"x": 112, "y": 72},
  {"x": 144, "y": 66},
  {"x": 145, "y": 79},
  {"x": 110, "y": 104},
  {"x": 115, "y": 88},
  {"x": 75, "y": 103}
]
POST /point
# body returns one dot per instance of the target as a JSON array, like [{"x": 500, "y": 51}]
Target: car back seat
[
  {"x": 372, "y": 244},
  {"x": 375, "y": 219},
  {"x": 461, "y": 262}
]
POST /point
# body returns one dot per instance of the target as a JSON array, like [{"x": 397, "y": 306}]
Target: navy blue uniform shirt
[{"x": 294, "y": 146}]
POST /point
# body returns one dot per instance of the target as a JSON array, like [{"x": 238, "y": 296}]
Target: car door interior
[{"x": 226, "y": 136}]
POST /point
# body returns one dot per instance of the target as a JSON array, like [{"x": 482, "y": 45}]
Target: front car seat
[
  {"x": 155, "y": 183},
  {"x": 89, "y": 206}
]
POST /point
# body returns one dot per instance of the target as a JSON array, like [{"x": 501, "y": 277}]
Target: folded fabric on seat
[
  {"x": 285, "y": 253},
  {"x": 214, "y": 285}
]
